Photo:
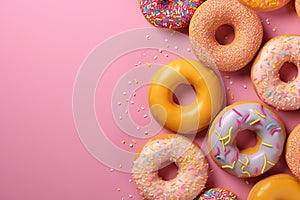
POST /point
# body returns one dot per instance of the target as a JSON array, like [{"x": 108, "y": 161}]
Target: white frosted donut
[
  {"x": 252, "y": 161},
  {"x": 265, "y": 72},
  {"x": 190, "y": 160}
]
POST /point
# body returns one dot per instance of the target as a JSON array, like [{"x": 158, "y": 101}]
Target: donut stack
[{"x": 208, "y": 110}]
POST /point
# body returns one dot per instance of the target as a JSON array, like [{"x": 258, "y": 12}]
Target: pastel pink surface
[{"x": 43, "y": 44}]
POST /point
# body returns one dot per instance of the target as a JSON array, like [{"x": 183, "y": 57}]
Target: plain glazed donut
[
  {"x": 218, "y": 194},
  {"x": 248, "y": 33},
  {"x": 279, "y": 186},
  {"x": 265, "y": 72},
  {"x": 169, "y": 14},
  {"x": 265, "y": 5},
  {"x": 190, "y": 160},
  {"x": 188, "y": 118},
  {"x": 293, "y": 151},
  {"x": 252, "y": 161}
]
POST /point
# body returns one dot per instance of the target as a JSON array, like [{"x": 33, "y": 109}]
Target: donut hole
[
  {"x": 167, "y": 171},
  {"x": 184, "y": 94},
  {"x": 288, "y": 72},
  {"x": 224, "y": 34},
  {"x": 247, "y": 141}
]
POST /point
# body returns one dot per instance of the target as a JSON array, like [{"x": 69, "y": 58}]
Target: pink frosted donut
[
  {"x": 297, "y": 6},
  {"x": 169, "y": 14},
  {"x": 265, "y": 72},
  {"x": 248, "y": 33}
]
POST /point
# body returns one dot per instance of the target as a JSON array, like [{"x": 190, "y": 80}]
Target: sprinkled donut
[
  {"x": 293, "y": 151},
  {"x": 265, "y": 5},
  {"x": 297, "y": 7},
  {"x": 265, "y": 72},
  {"x": 247, "y": 27},
  {"x": 190, "y": 160},
  {"x": 218, "y": 194},
  {"x": 252, "y": 161},
  {"x": 276, "y": 187},
  {"x": 169, "y": 14},
  {"x": 190, "y": 118}
]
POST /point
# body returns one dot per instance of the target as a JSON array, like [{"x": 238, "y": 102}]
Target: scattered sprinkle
[
  {"x": 144, "y": 54},
  {"x": 133, "y": 141},
  {"x": 148, "y": 37},
  {"x": 130, "y": 180},
  {"x": 166, "y": 55},
  {"x": 274, "y": 29},
  {"x": 146, "y": 133},
  {"x": 119, "y": 103},
  {"x": 160, "y": 50},
  {"x": 232, "y": 96},
  {"x": 120, "y": 118},
  {"x": 124, "y": 93},
  {"x": 131, "y": 102},
  {"x": 123, "y": 141},
  {"x": 155, "y": 57},
  {"x": 111, "y": 169},
  {"x": 247, "y": 182},
  {"x": 245, "y": 86},
  {"x": 118, "y": 189},
  {"x": 176, "y": 47},
  {"x": 267, "y": 21},
  {"x": 130, "y": 145},
  {"x": 227, "y": 77},
  {"x": 130, "y": 196},
  {"x": 231, "y": 82},
  {"x": 142, "y": 108},
  {"x": 120, "y": 166},
  {"x": 136, "y": 81},
  {"x": 145, "y": 116},
  {"x": 188, "y": 49},
  {"x": 129, "y": 82}
]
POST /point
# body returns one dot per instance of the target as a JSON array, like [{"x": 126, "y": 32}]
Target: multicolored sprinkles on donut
[{"x": 218, "y": 194}]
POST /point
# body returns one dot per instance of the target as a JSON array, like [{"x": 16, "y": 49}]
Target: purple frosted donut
[{"x": 167, "y": 13}]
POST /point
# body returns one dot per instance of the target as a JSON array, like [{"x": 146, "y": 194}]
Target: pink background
[{"x": 42, "y": 45}]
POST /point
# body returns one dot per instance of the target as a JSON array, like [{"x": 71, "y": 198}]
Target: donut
[
  {"x": 252, "y": 161},
  {"x": 169, "y": 14},
  {"x": 218, "y": 194},
  {"x": 292, "y": 153},
  {"x": 248, "y": 33},
  {"x": 190, "y": 118},
  {"x": 279, "y": 186},
  {"x": 297, "y": 7},
  {"x": 190, "y": 160},
  {"x": 265, "y": 72},
  {"x": 265, "y": 6}
]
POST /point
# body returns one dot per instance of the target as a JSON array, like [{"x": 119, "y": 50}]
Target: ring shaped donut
[
  {"x": 279, "y": 186},
  {"x": 190, "y": 160},
  {"x": 248, "y": 34},
  {"x": 293, "y": 151},
  {"x": 265, "y": 72},
  {"x": 169, "y": 14},
  {"x": 265, "y": 6},
  {"x": 252, "y": 161},
  {"x": 187, "y": 119}
]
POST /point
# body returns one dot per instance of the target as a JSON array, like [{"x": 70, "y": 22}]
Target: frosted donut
[
  {"x": 292, "y": 155},
  {"x": 265, "y": 72},
  {"x": 185, "y": 118},
  {"x": 297, "y": 7},
  {"x": 169, "y": 14},
  {"x": 263, "y": 5},
  {"x": 252, "y": 161},
  {"x": 190, "y": 160},
  {"x": 279, "y": 186},
  {"x": 218, "y": 194},
  {"x": 247, "y": 27}
]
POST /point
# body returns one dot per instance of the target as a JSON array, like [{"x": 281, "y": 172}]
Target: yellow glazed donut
[
  {"x": 292, "y": 155},
  {"x": 248, "y": 32},
  {"x": 297, "y": 6},
  {"x": 252, "y": 161},
  {"x": 265, "y": 72},
  {"x": 265, "y": 5},
  {"x": 276, "y": 187},
  {"x": 190, "y": 160},
  {"x": 188, "y": 118}
]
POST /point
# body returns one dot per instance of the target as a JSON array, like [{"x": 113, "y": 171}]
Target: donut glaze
[
  {"x": 292, "y": 155},
  {"x": 279, "y": 186},
  {"x": 190, "y": 160},
  {"x": 169, "y": 14},
  {"x": 248, "y": 33},
  {"x": 187, "y": 119},
  {"x": 218, "y": 193},
  {"x": 263, "y": 5},
  {"x": 253, "y": 161},
  {"x": 265, "y": 72}
]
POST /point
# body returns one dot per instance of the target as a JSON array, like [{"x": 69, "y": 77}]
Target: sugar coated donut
[
  {"x": 247, "y": 27},
  {"x": 279, "y": 186},
  {"x": 218, "y": 194},
  {"x": 252, "y": 161},
  {"x": 169, "y": 14},
  {"x": 292, "y": 155},
  {"x": 190, "y": 160},
  {"x": 265, "y": 72},
  {"x": 297, "y": 7},
  {"x": 186, "y": 118},
  {"x": 263, "y": 5}
]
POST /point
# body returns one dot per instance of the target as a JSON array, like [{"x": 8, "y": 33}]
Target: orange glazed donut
[
  {"x": 188, "y": 118},
  {"x": 292, "y": 155},
  {"x": 247, "y": 27},
  {"x": 276, "y": 187},
  {"x": 265, "y": 5}
]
